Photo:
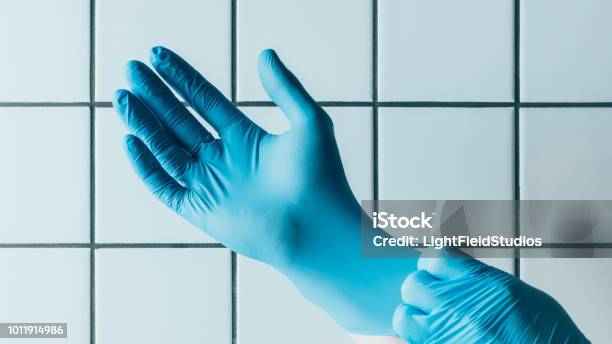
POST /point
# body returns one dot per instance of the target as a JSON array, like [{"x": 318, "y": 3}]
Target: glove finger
[
  {"x": 139, "y": 120},
  {"x": 409, "y": 324},
  {"x": 285, "y": 89},
  {"x": 448, "y": 263},
  {"x": 205, "y": 98},
  {"x": 419, "y": 292},
  {"x": 161, "y": 185},
  {"x": 175, "y": 117}
]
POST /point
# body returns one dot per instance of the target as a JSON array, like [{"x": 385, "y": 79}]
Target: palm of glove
[{"x": 249, "y": 188}]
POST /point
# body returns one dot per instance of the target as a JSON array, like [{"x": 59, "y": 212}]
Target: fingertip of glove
[
  {"x": 120, "y": 98},
  {"x": 133, "y": 69},
  {"x": 158, "y": 55},
  {"x": 267, "y": 58},
  {"x": 268, "y": 53},
  {"x": 128, "y": 139}
]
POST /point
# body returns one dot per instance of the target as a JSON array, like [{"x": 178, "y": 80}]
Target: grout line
[
  {"x": 99, "y": 246},
  {"x": 333, "y": 103},
  {"x": 111, "y": 245},
  {"x": 44, "y": 104},
  {"x": 517, "y": 113},
  {"x": 92, "y": 171},
  {"x": 234, "y": 277},
  {"x": 158, "y": 245},
  {"x": 110, "y": 104},
  {"x": 375, "y": 104},
  {"x": 552, "y": 246},
  {"x": 566, "y": 104},
  {"x": 445, "y": 104},
  {"x": 517, "y": 189},
  {"x": 234, "y": 78},
  {"x": 44, "y": 245},
  {"x": 574, "y": 245},
  {"x": 233, "y": 49}
]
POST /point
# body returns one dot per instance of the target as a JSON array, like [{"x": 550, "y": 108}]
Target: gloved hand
[
  {"x": 281, "y": 199},
  {"x": 462, "y": 300}
]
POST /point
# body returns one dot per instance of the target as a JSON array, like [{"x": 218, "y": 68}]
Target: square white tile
[
  {"x": 353, "y": 129},
  {"x": 198, "y": 30},
  {"x": 163, "y": 296},
  {"x": 327, "y": 44},
  {"x": 580, "y": 285},
  {"x": 449, "y": 154},
  {"x": 565, "y": 50},
  {"x": 446, "y": 50},
  {"x": 126, "y": 212},
  {"x": 46, "y": 51},
  {"x": 565, "y": 155},
  {"x": 446, "y": 153},
  {"x": 272, "y": 311},
  {"x": 46, "y": 285},
  {"x": 45, "y": 176}
]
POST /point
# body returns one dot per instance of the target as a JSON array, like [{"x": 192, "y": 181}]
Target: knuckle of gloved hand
[
  {"x": 400, "y": 318},
  {"x": 405, "y": 326},
  {"x": 431, "y": 264},
  {"x": 414, "y": 282}
]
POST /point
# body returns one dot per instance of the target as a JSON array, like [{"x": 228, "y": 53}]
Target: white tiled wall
[
  {"x": 446, "y": 50},
  {"x": 328, "y": 43},
  {"x": 566, "y": 50},
  {"x": 46, "y": 285},
  {"x": 126, "y": 30},
  {"x": 163, "y": 295},
  {"x": 45, "y": 177},
  {"x": 45, "y": 51},
  {"x": 65, "y": 176},
  {"x": 441, "y": 156},
  {"x": 580, "y": 285},
  {"x": 440, "y": 153},
  {"x": 566, "y": 156}
]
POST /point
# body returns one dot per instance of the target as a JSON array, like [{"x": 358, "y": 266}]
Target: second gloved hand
[
  {"x": 458, "y": 299},
  {"x": 282, "y": 199}
]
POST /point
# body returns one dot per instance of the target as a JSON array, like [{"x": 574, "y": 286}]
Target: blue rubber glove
[
  {"x": 281, "y": 199},
  {"x": 462, "y": 300}
]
